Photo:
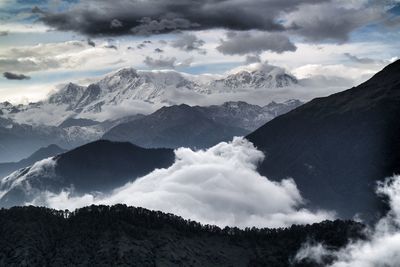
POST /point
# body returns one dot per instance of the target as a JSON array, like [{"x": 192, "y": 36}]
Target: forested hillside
[{"x": 128, "y": 236}]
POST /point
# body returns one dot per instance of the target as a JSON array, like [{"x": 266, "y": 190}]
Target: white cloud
[
  {"x": 47, "y": 114},
  {"x": 24, "y": 28},
  {"x": 218, "y": 186},
  {"x": 383, "y": 245},
  {"x": 126, "y": 108},
  {"x": 17, "y": 93},
  {"x": 76, "y": 55},
  {"x": 353, "y": 75},
  {"x": 258, "y": 66}
]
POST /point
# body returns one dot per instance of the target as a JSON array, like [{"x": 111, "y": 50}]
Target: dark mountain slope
[
  {"x": 247, "y": 116},
  {"x": 337, "y": 147},
  {"x": 173, "y": 127},
  {"x": 98, "y": 166},
  {"x": 127, "y": 236},
  {"x": 42, "y": 153},
  {"x": 102, "y": 165}
]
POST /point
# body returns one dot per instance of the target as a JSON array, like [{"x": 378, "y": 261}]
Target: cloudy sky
[{"x": 48, "y": 42}]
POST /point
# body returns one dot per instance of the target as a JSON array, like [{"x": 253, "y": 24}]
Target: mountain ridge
[
  {"x": 174, "y": 127},
  {"x": 99, "y": 166},
  {"x": 336, "y": 148},
  {"x": 195, "y": 126},
  {"x": 19, "y": 140},
  {"x": 128, "y": 84}
]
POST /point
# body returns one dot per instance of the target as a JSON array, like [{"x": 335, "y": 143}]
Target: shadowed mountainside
[
  {"x": 174, "y": 127},
  {"x": 95, "y": 167},
  {"x": 102, "y": 165},
  {"x": 336, "y": 148},
  {"x": 197, "y": 126}
]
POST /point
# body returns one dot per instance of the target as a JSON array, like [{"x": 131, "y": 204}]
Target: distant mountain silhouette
[
  {"x": 208, "y": 124},
  {"x": 44, "y": 152},
  {"x": 128, "y": 236},
  {"x": 96, "y": 167},
  {"x": 173, "y": 127},
  {"x": 337, "y": 147},
  {"x": 247, "y": 116},
  {"x": 102, "y": 165},
  {"x": 197, "y": 126},
  {"x": 19, "y": 140}
]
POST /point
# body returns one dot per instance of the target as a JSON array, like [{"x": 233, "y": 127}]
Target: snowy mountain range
[
  {"x": 127, "y": 87},
  {"x": 75, "y": 114},
  {"x": 264, "y": 77},
  {"x": 157, "y": 86}
]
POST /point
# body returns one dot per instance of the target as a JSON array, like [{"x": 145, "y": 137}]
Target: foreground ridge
[
  {"x": 336, "y": 148},
  {"x": 127, "y": 236}
]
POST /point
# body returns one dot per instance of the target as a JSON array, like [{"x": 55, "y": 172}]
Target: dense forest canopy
[{"x": 127, "y": 236}]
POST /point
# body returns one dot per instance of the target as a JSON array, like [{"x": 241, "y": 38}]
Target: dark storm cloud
[
  {"x": 111, "y": 47},
  {"x": 330, "y": 21},
  {"x": 188, "y": 42},
  {"x": 37, "y": 10},
  {"x": 91, "y": 43},
  {"x": 242, "y": 43},
  {"x": 160, "y": 63},
  {"x": 149, "y": 26},
  {"x": 116, "y": 24},
  {"x": 103, "y": 17},
  {"x": 252, "y": 59},
  {"x": 143, "y": 44},
  {"x": 3, "y": 33},
  {"x": 158, "y": 50},
  {"x": 15, "y": 76}
]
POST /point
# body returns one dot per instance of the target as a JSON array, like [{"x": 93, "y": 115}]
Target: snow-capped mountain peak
[
  {"x": 67, "y": 95},
  {"x": 125, "y": 88},
  {"x": 259, "y": 76},
  {"x": 157, "y": 86}
]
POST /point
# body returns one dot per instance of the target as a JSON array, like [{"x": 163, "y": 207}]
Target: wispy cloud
[{"x": 382, "y": 246}]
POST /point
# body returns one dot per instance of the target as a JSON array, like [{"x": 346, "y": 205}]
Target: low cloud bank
[
  {"x": 219, "y": 186},
  {"x": 383, "y": 245}
]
